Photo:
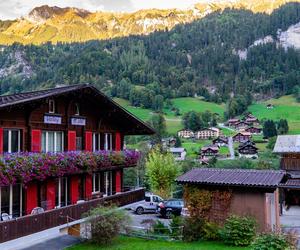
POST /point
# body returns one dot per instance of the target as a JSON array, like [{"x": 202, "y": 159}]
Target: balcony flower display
[{"x": 26, "y": 167}]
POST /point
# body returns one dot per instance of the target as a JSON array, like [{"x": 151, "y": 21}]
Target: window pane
[
  {"x": 5, "y": 141},
  {"x": 50, "y": 142},
  {"x": 14, "y": 141},
  {"x": 16, "y": 200},
  {"x": 5, "y": 200},
  {"x": 59, "y": 140},
  {"x": 44, "y": 141}
]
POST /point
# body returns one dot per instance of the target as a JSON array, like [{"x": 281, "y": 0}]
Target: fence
[{"x": 30, "y": 224}]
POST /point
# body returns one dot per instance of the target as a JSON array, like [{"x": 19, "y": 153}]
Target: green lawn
[
  {"x": 126, "y": 243},
  {"x": 193, "y": 147},
  {"x": 284, "y": 107}
]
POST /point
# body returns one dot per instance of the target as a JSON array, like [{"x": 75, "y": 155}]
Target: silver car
[{"x": 149, "y": 205}]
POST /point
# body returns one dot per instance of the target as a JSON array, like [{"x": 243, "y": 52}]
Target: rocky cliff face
[{"x": 54, "y": 24}]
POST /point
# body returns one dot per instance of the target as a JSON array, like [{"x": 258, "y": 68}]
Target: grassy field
[
  {"x": 285, "y": 107},
  {"x": 193, "y": 147},
  {"x": 126, "y": 243},
  {"x": 173, "y": 122}
]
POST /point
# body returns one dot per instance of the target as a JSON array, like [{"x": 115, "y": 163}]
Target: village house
[
  {"x": 288, "y": 147},
  {"x": 207, "y": 133},
  {"x": 252, "y": 193},
  {"x": 270, "y": 106},
  {"x": 186, "y": 134},
  {"x": 75, "y": 136},
  {"x": 210, "y": 151},
  {"x": 178, "y": 153},
  {"x": 241, "y": 125},
  {"x": 248, "y": 150},
  {"x": 254, "y": 130},
  {"x": 252, "y": 121},
  {"x": 242, "y": 137},
  {"x": 232, "y": 122},
  {"x": 221, "y": 141}
]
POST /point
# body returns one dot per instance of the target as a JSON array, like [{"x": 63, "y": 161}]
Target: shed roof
[
  {"x": 177, "y": 150},
  {"x": 287, "y": 144},
  {"x": 233, "y": 177}
]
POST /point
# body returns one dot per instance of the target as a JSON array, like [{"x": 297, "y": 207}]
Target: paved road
[
  {"x": 231, "y": 148},
  {"x": 58, "y": 243}
]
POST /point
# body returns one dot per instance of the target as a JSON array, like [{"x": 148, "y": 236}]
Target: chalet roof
[
  {"x": 233, "y": 177},
  {"x": 243, "y": 134},
  {"x": 233, "y": 120},
  {"x": 287, "y": 144},
  {"x": 215, "y": 148},
  {"x": 291, "y": 183},
  {"x": 221, "y": 138},
  {"x": 138, "y": 126}
]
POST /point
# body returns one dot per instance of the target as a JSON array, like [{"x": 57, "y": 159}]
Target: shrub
[
  {"x": 160, "y": 228},
  {"x": 106, "y": 223},
  {"x": 238, "y": 231},
  {"x": 193, "y": 229},
  {"x": 211, "y": 231},
  {"x": 270, "y": 241},
  {"x": 176, "y": 227}
]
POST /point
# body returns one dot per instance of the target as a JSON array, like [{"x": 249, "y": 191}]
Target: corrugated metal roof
[
  {"x": 233, "y": 177},
  {"x": 287, "y": 144},
  {"x": 291, "y": 183}
]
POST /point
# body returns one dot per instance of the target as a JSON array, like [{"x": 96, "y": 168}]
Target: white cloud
[{"x": 10, "y": 9}]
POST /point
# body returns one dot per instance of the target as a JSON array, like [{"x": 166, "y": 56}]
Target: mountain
[{"x": 53, "y": 24}]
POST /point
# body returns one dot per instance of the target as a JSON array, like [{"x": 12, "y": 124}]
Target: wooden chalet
[
  {"x": 252, "y": 121},
  {"x": 241, "y": 137},
  {"x": 288, "y": 147},
  {"x": 254, "y": 130},
  {"x": 232, "y": 122},
  {"x": 62, "y": 124},
  {"x": 248, "y": 150},
  {"x": 241, "y": 125},
  {"x": 220, "y": 141},
  {"x": 210, "y": 151}
]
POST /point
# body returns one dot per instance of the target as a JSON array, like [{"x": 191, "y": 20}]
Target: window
[
  {"x": 52, "y": 141},
  {"x": 96, "y": 182},
  {"x": 108, "y": 141},
  {"x": 96, "y": 142},
  {"x": 62, "y": 192},
  {"x": 11, "y": 200},
  {"x": 108, "y": 183},
  {"x": 77, "y": 111},
  {"x": 51, "y": 106},
  {"x": 78, "y": 143},
  {"x": 12, "y": 140}
]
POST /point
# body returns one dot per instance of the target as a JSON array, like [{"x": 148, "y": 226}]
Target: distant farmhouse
[
  {"x": 178, "y": 153},
  {"x": 248, "y": 150},
  {"x": 207, "y": 133},
  {"x": 210, "y": 151},
  {"x": 242, "y": 137},
  {"x": 186, "y": 134},
  {"x": 221, "y": 141},
  {"x": 254, "y": 130}
]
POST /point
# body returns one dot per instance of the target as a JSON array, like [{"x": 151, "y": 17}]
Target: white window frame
[
  {"x": 108, "y": 182},
  {"x": 77, "y": 109},
  {"x": 94, "y": 141},
  {"x": 9, "y": 139},
  {"x": 59, "y": 191},
  {"x": 95, "y": 177},
  {"x": 11, "y": 201},
  {"x": 51, "y": 104},
  {"x": 55, "y": 137},
  {"x": 108, "y": 136}
]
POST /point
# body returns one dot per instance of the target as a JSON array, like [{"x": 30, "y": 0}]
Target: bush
[
  {"x": 160, "y": 228},
  {"x": 106, "y": 224},
  {"x": 238, "y": 231},
  {"x": 176, "y": 227},
  {"x": 193, "y": 229},
  {"x": 270, "y": 241},
  {"x": 211, "y": 231}
]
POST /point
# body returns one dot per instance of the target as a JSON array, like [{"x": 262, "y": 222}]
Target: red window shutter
[
  {"x": 118, "y": 181},
  {"x": 118, "y": 141},
  {"x": 71, "y": 140},
  {"x": 31, "y": 197},
  {"x": 88, "y": 186},
  {"x": 1, "y": 140},
  {"x": 88, "y": 141},
  {"x": 36, "y": 140},
  {"x": 51, "y": 191},
  {"x": 74, "y": 189}
]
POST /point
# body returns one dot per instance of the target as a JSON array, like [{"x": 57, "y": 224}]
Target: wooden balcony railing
[{"x": 30, "y": 224}]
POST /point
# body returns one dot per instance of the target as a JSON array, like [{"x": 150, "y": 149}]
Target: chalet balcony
[
  {"x": 290, "y": 164},
  {"x": 26, "y": 167}
]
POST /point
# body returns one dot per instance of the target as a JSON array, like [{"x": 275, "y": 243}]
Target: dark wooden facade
[{"x": 75, "y": 118}]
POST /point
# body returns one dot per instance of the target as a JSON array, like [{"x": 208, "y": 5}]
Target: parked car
[
  {"x": 149, "y": 205},
  {"x": 170, "y": 207}
]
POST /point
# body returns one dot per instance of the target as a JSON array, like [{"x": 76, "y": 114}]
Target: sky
[{"x": 11, "y": 9}]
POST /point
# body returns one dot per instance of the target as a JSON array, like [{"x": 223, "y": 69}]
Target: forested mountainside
[
  {"x": 54, "y": 24},
  {"x": 233, "y": 52}
]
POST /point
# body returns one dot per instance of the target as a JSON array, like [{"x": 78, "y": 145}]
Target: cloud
[{"x": 10, "y": 9}]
